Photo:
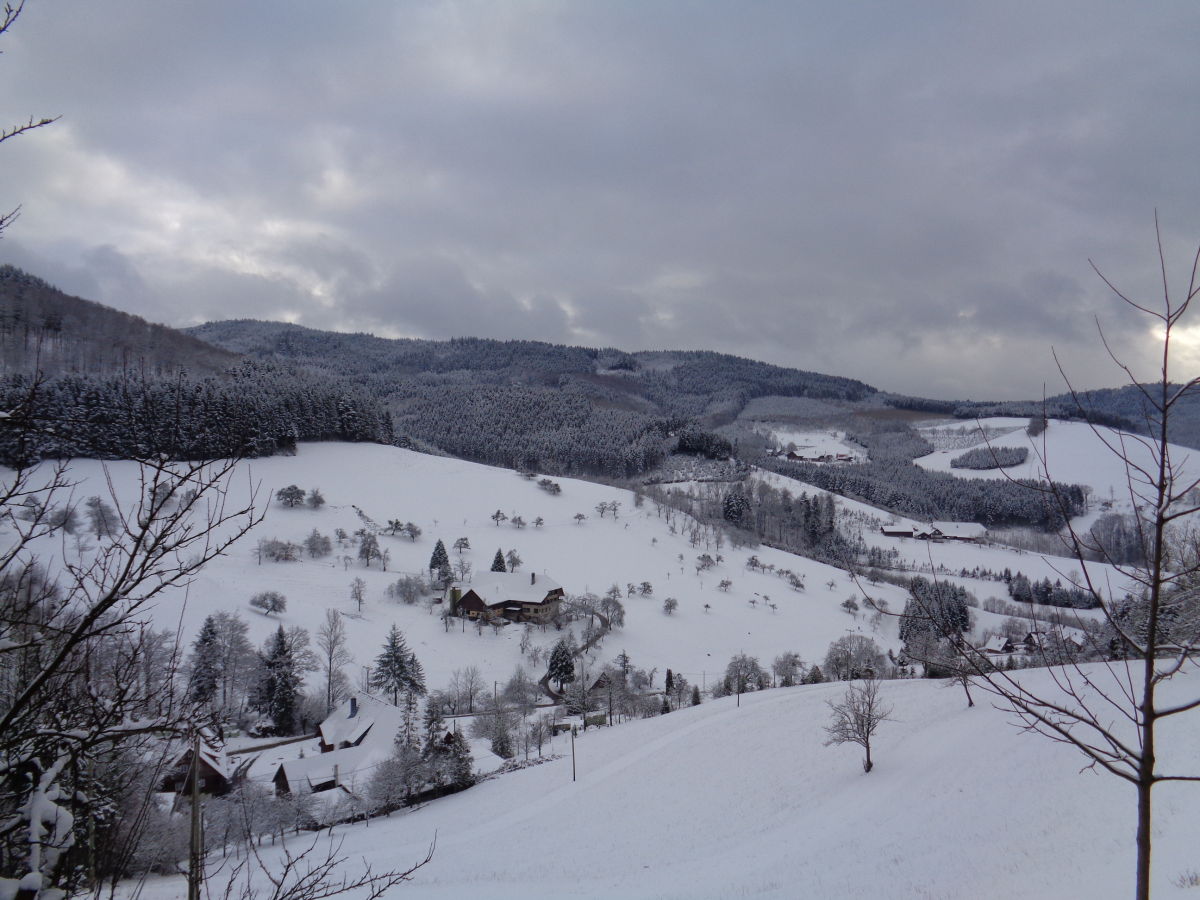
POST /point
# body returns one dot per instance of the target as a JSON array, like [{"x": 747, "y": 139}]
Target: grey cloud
[
  {"x": 433, "y": 298},
  {"x": 847, "y": 187}
]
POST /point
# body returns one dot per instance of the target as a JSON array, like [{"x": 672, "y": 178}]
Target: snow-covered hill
[
  {"x": 759, "y": 613},
  {"x": 448, "y": 499},
  {"x": 724, "y": 801},
  {"x": 1071, "y": 452},
  {"x": 714, "y": 801}
]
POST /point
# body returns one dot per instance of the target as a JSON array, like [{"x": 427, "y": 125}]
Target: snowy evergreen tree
[
  {"x": 734, "y": 507},
  {"x": 433, "y": 728},
  {"x": 396, "y": 669},
  {"x": 205, "y": 664},
  {"x": 102, "y": 518},
  {"x": 498, "y": 564},
  {"x": 439, "y": 558},
  {"x": 277, "y": 688},
  {"x": 562, "y": 666},
  {"x": 502, "y": 744},
  {"x": 463, "y": 766}
]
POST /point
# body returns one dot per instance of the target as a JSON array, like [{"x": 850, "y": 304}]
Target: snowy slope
[
  {"x": 449, "y": 499},
  {"x": 1071, "y": 452},
  {"x": 720, "y": 801}
]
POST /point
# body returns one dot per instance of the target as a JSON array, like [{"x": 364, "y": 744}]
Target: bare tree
[
  {"x": 307, "y": 875},
  {"x": 73, "y": 642},
  {"x": 467, "y": 684},
  {"x": 857, "y": 716},
  {"x": 331, "y": 641}
]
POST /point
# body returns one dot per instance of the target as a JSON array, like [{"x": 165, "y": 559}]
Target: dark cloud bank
[{"x": 907, "y": 194}]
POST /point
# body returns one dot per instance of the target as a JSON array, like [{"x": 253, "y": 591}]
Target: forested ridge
[
  {"x": 1123, "y": 407},
  {"x": 256, "y": 409},
  {"x": 527, "y": 404},
  {"x": 45, "y": 329}
]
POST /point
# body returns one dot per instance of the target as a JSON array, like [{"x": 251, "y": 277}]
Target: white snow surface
[
  {"x": 450, "y": 498},
  {"x": 715, "y": 801},
  {"x": 1070, "y": 452},
  {"x": 719, "y": 801}
]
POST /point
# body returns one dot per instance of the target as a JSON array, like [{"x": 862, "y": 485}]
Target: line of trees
[
  {"x": 257, "y": 410},
  {"x": 990, "y": 458}
]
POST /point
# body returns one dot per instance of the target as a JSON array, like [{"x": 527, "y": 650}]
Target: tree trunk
[{"x": 1143, "y": 842}]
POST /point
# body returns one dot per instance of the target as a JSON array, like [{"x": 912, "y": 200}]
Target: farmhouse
[
  {"x": 353, "y": 738},
  {"x": 1065, "y": 638},
  {"x": 508, "y": 595},
  {"x": 218, "y": 774},
  {"x": 944, "y": 531},
  {"x": 958, "y": 531},
  {"x": 904, "y": 531},
  {"x": 999, "y": 645}
]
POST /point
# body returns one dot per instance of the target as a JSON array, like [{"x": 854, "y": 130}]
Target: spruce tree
[
  {"x": 462, "y": 765},
  {"x": 434, "y": 729},
  {"x": 277, "y": 692},
  {"x": 439, "y": 558},
  {"x": 205, "y": 664},
  {"x": 498, "y": 563},
  {"x": 562, "y": 666},
  {"x": 396, "y": 668},
  {"x": 502, "y": 742}
]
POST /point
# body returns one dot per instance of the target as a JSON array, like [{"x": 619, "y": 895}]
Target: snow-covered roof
[
  {"x": 960, "y": 529},
  {"x": 352, "y": 766},
  {"x": 510, "y": 587},
  {"x": 997, "y": 644},
  {"x": 350, "y": 721},
  {"x": 209, "y": 754}
]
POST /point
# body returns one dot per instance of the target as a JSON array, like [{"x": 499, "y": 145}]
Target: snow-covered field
[
  {"x": 1071, "y": 452},
  {"x": 811, "y": 444},
  {"x": 719, "y": 801},
  {"x": 715, "y": 801},
  {"x": 448, "y": 499}
]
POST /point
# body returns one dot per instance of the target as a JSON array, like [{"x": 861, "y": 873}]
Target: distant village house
[{"x": 970, "y": 532}]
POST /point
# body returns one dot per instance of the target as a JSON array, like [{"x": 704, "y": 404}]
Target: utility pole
[
  {"x": 572, "y": 755},
  {"x": 196, "y": 850}
]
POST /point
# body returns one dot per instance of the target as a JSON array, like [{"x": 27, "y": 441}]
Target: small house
[
  {"x": 217, "y": 772},
  {"x": 998, "y": 645}
]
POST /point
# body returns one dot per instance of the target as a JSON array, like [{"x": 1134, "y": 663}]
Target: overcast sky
[{"x": 906, "y": 193}]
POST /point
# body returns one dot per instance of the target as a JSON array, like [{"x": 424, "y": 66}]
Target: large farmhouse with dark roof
[{"x": 514, "y": 596}]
